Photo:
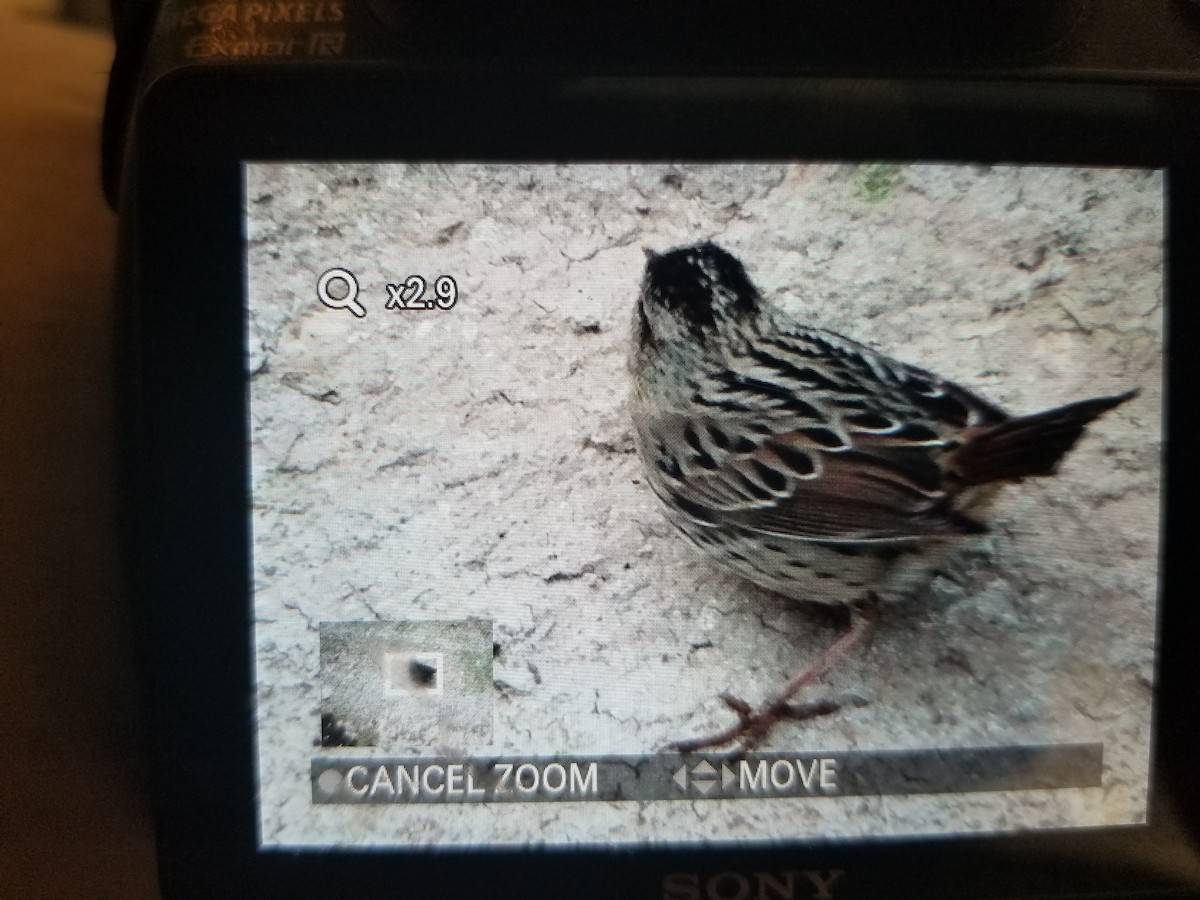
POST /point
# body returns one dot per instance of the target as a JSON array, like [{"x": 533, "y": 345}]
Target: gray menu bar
[{"x": 669, "y": 776}]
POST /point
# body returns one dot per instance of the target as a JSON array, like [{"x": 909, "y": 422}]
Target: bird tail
[{"x": 1028, "y": 446}]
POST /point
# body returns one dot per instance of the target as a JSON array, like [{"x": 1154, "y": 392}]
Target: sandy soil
[{"x": 438, "y": 465}]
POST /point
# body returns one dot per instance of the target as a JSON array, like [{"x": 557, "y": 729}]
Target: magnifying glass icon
[{"x": 339, "y": 299}]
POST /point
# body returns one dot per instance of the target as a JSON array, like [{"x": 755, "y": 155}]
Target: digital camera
[{"x": 644, "y": 451}]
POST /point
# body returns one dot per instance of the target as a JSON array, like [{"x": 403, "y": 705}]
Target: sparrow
[{"x": 808, "y": 463}]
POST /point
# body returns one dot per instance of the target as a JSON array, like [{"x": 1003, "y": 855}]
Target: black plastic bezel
[{"x": 184, "y": 404}]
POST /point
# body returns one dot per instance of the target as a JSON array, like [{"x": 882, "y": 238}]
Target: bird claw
[
  {"x": 743, "y": 709},
  {"x": 801, "y": 711},
  {"x": 754, "y": 725}
]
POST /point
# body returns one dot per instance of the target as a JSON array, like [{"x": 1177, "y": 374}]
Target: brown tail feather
[{"x": 1030, "y": 445}]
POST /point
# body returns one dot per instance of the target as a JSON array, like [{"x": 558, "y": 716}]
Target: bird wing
[
  {"x": 789, "y": 487},
  {"x": 854, "y": 379},
  {"x": 811, "y": 436}
]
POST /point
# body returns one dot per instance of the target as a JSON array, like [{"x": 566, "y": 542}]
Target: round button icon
[{"x": 338, "y": 289}]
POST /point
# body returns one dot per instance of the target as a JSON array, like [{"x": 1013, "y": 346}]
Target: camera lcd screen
[{"x": 477, "y": 617}]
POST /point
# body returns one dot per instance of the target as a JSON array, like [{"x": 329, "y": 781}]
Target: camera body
[{"x": 410, "y": 615}]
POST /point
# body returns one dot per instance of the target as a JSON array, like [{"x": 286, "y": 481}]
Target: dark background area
[{"x": 74, "y": 818}]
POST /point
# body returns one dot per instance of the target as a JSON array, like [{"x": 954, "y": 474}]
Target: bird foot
[{"x": 755, "y": 724}]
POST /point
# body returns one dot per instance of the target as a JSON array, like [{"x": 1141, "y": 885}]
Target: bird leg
[{"x": 754, "y": 725}]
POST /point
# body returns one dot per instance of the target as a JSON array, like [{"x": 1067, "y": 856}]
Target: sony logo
[{"x": 784, "y": 885}]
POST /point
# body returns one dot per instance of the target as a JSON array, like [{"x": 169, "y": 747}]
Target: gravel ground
[{"x": 478, "y": 463}]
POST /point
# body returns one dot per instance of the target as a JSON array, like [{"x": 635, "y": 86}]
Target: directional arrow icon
[
  {"x": 680, "y": 777},
  {"x": 704, "y": 776}
]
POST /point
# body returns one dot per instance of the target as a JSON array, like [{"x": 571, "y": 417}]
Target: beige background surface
[{"x": 479, "y": 462}]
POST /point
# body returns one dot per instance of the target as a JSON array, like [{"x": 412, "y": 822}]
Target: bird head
[{"x": 692, "y": 292}]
